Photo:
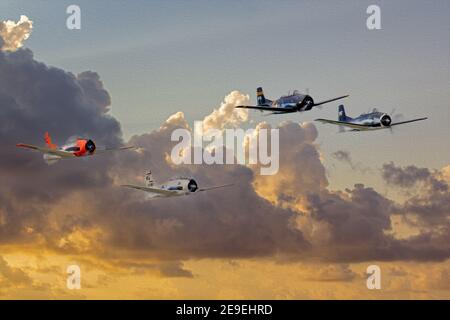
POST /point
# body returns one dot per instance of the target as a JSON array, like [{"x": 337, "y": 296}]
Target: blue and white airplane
[
  {"x": 295, "y": 102},
  {"x": 367, "y": 121}
]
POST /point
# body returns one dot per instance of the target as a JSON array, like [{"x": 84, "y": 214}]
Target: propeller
[{"x": 396, "y": 117}]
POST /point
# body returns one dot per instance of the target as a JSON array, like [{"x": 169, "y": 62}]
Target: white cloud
[
  {"x": 14, "y": 34},
  {"x": 227, "y": 115}
]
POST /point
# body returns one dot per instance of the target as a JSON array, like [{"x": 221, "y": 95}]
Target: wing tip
[{"x": 24, "y": 145}]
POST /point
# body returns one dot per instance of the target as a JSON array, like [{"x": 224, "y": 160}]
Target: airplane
[
  {"x": 78, "y": 148},
  {"x": 181, "y": 186},
  {"x": 294, "y": 102},
  {"x": 374, "y": 120}
]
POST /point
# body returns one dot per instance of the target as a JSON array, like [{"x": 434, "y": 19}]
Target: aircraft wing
[
  {"x": 56, "y": 152},
  {"x": 331, "y": 100},
  {"x": 408, "y": 121},
  {"x": 354, "y": 126},
  {"x": 264, "y": 108},
  {"x": 102, "y": 151},
  {"x": 216, "y": 187},
  {"x": 166, "y": 193}
]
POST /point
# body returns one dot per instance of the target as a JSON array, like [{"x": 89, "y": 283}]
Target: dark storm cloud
[
  {"x": 404, "y": 177},
  {"x": 35, "y": 98},
  {"x": 431, "y": 203},
  {"x": 429, "y": 207},
  {"x": 231, "y": 222}
]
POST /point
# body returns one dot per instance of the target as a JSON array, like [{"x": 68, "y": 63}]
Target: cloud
[
  {"x": 12, "y": 34},
  {"x": 175, "y": 270},
  {"x": 226, "y": 114},
  {"x": 36, "y": 98},
  {"x": 78, "y": 207},
  {"x": 345, "y": 157},
  {"x": 404, "y": 177},
  {"x": 333, "y": 273},
  {"x": 12, "y": 276}
]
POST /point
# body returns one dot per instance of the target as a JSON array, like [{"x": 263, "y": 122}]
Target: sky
[{"x": 149, "y": 60}]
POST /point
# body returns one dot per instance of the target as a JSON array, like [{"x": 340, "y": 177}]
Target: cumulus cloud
[
  {"x": 13, "y": 34},
  {"x": 226, "y": 115},
  {"x": 430, "y": 206}
]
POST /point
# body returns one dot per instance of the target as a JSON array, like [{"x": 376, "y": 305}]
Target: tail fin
[
  {"x": 341, "y": 114},
  {"x": 149, "y": 182},
  {"x": 262, "y": 101},
  {"x": 48, "y": 141}
]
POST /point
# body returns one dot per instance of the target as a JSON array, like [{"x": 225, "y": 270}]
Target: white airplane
[
  {"x": 76, "y": 149},
  {"x": 174, "y": 187},
  {"x": 374, "y": 120}
]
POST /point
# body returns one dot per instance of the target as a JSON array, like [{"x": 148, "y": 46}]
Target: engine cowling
[
  {"x": 385, "y": 120},
  {"x": 192, "y": 185},
  {"x": 307, "y": 103},
  {"x": 90, "y": 147}
]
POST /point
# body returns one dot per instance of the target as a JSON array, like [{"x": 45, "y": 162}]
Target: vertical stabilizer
[
  {"x": 48, "y": 141},
  {"x": 262, "y": 101},
  {"x": 341, "y": 114}
]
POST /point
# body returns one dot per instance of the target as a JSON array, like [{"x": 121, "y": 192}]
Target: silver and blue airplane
[
  {"x": 294, "y": 102},
  {"x": 367, "y": 121}
]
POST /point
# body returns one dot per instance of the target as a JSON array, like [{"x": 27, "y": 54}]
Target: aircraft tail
[
  {"x": 262, "y": 101},
  {"x": 48, "y": 141},
  {"x": 341, "y": 114},
  {"x": 149, "y": 182}
]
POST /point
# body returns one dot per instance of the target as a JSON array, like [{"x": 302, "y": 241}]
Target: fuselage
[
  {"x": 181, "y": 185},
  {"x": 374, "y": 119},
  {"x": 78, "y": 148},
  {"x": 296, "y": 100}
]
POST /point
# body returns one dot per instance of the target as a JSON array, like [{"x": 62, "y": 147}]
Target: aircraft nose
[
  {"x": 90, "y": 146},
  {"x": 386, "y": 120},
  {"x": 192, "y": 185}
]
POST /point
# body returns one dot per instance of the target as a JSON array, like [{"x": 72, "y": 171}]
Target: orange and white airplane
[{"x": 78, "y": 148}]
